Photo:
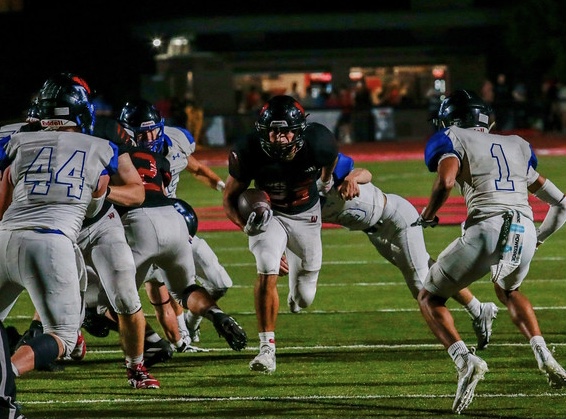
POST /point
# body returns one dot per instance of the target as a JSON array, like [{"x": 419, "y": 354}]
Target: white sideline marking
[
  {"x": 284, "y": 349},
  {"x": 293, "y": 398}
]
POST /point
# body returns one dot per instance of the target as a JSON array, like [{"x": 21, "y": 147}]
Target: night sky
[{"x": 96, "y": 40}]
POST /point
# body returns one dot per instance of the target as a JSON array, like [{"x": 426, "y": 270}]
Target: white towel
[{"x": 511, "y": 240}]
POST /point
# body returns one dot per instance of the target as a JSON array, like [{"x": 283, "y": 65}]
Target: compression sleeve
[{"x": 556, "y": 215}]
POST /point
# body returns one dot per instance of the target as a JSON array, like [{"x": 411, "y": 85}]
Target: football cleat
[
  {"x": 483, "y": 324},
  {"x": 79, "y": 352},
  {"x": 293, "y": 306},
  {"x": 139, "y": 377},
  {"x": 468, "y": 377},
  {"x": 155, "y": 352},
  {"x": 230, "y": 330},
  {"x": 265, "y": 361},
  {"x": 555, "y": 374},
  {"x": 186, "y": 347}
]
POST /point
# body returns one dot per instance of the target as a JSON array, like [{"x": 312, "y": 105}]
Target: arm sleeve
[{"x": 556, "y": 215}]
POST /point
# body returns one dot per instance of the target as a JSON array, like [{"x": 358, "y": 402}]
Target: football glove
[
  {"x": 252, "y": 228},
  {"x": 425, "y": 223},
  {"x": 324, "y": 187}
]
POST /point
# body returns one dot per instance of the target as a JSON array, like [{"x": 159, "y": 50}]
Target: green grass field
[{"x": 362, "y": 350}]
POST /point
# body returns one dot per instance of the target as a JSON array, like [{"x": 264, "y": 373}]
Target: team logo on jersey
[
  {"x": 311, "y": 169},
  {"x": 176, "y": 156},
  {"x": 314, "y": 218}
]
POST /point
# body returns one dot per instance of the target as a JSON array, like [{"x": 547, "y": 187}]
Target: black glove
[{"x": 425, "y": 223}]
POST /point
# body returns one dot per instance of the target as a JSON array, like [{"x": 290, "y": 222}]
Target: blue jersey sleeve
[
  {"x": 112, "y": 167},
  {"x": 437, "y": 145},
  {"x": 344, "y": 166},
  {"x": 533, "y": 162},
  {"x": 4, "y": 159}
]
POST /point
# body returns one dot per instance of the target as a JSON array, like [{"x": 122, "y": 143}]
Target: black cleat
[
  {"x": 230, "y": 330},
  {"x": 155, "y": 352}
]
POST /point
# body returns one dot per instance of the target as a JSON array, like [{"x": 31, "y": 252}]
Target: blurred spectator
[
  {"x": 178, "y": 114},
  {"x": 486, "y": 92},
  {"x": 294, "y": 92},
  {"x": 520, "y": 105},
  {"x": 362, "y": 118},
  {"x": 195, "y": 117},
  {"x": 551, "y": 106},
  {"x": 344, "y": 124},
  {"x": 562, "y": 105},
  {"x": 332, "y": 100},
  {"x": 163, "y": 105},
  {"x": 253, "y": 100},
  {"x": 434, "y": 98},
  {"x": 310, "y": 101},
  {"x": 503, "y": 104}
]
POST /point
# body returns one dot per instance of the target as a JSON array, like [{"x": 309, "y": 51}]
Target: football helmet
[
  {"x": 33, "y": 112},
  {"x": 140, "y": 118},
  {"x": 465, "y": 109},
  {"x": 188, "y": 214},
  {"x": 281, "y": 113},
  {"x": 64, "y": 100}
]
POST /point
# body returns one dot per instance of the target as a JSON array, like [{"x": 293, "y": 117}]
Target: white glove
[
  {"x": 324, "y": 187},
  {"x": 252, "y": 228}
]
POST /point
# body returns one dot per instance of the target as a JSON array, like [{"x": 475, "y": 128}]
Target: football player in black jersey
[{"x": 291, "y": 160}]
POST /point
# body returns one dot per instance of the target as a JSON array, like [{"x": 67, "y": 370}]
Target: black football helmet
[
  {"x": 33, "y": 112},
  {"x": 465, "y": 109},
  {"x": 138, "y": 117},
  {"x": 281, "y": 113},
  {"x": 188, "y": 213},
  {"x": 64, "y": 100}
]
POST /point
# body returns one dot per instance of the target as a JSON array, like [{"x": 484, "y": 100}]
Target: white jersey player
[
  {"x": 54, "y": 180},
  {"x": 357, "y": 204},
  {"x": 495, "y": 174},
  {"x": 210, "y": 273},
  {"x": 103, "y": 244}
]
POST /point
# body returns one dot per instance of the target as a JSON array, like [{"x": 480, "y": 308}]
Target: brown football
[{"x": 253, "y": 200}]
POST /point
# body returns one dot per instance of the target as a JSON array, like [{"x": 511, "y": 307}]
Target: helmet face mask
[
  {"x": 463, "y": 109},
  {"x": 144, "y": 124},
  {"x": 64, "y": 101},
  {"x": 280, "y": 126}
]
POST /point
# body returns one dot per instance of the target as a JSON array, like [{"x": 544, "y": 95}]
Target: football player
[
  {"x": 284, "y": 157},
  {"x": 56, "y": 177},
  {"x": 158, "y": 235},
  {"x": 210, "y": 273},
  {"x": 495, "y": 174}
]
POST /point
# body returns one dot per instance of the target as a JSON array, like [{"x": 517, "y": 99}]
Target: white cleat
[
  {"x": 555, "y": 374},
  {"x": 468, "y": 378},
  {"x": 265, "y": 361}
]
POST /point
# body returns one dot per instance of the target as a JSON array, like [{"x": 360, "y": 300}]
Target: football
[{"x": 253, "y": 200}]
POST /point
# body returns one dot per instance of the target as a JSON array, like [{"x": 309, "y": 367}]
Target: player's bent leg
[{"x": 37, "y": 353}]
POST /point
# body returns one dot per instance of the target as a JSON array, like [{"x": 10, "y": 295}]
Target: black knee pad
[
  {"x": 188, "y": 292},
  {"x": 45, "y": 350}
]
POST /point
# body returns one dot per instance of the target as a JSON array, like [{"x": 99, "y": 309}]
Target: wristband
[{"x": 220, "y": 185}]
